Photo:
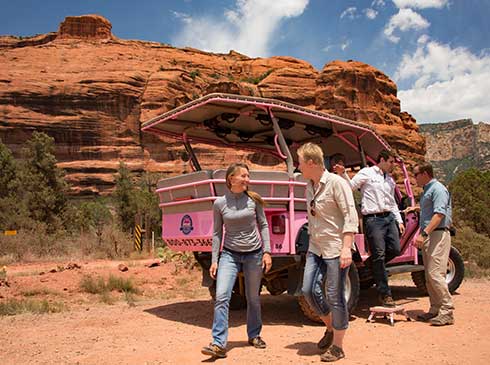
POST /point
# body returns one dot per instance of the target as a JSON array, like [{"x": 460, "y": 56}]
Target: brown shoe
[
  {"x": 214, "y": 351},
  {"x": 326, "y": 341},
  {"x": 387, "y": 301},
  {"x": 425, "y": 317},
  {"x": 334, "y": 353},
  {"x": 442, "y": 320},
  {"x": 257, "y": 342}
]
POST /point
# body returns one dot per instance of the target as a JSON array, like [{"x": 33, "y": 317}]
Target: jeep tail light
[{"x": 278, "y": 223}]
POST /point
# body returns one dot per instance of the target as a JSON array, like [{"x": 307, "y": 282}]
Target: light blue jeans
[
  {"x": 333, "y": 300},
  {"x": 230, "y": 264}
]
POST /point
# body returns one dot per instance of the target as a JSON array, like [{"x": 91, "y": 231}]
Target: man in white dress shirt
[{"x": 382, "y": 221}]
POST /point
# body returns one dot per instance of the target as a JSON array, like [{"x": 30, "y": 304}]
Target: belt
[
  {"x": 242, "y": 252},
  {"x": 382, "y": 214},
  {"x": 442, "y": 229}
]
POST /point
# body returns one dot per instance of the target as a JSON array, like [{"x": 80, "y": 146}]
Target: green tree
[
  {"x": 124, "y": 197},
  {"x": 98, "y": 216},
  {"x": 42, "y": 187},
  {"x": 8, "y": 171},
  {"x": 471, "y": 199}
]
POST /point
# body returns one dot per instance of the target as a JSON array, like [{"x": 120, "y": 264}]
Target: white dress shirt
[{"x": 377, "y": 190}]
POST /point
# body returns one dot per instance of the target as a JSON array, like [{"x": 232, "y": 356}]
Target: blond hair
[
  {"x": 313, "y": 152},
  {"x": 232, "y": 169}
]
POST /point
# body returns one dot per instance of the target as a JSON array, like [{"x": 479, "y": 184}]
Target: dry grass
[{"x": 13, "y": 307}]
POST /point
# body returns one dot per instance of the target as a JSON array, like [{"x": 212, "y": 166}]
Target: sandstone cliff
[
  {"x": 455, "y": 146},
  {"x": 91, "y": 91}
]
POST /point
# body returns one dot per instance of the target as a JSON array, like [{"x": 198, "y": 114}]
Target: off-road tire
[
  {"x": 237, "y": 301},
  {"x": 455, "y": 272},
  {"x": 352, "y": 285}
]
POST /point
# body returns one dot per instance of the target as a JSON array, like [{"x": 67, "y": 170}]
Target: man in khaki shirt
[{"x": 332, "y": 222}]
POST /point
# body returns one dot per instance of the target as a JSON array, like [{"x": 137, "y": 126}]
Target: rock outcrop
[
  {"x": 91, "y": 91},
  {"x": 456, "y": 146}
]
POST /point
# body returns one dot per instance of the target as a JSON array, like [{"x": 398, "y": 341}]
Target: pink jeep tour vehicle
[{"x": 277, "y": 128}]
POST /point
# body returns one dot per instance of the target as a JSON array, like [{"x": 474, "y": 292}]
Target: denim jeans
[
  {"x": 230, "y": 264},
  {"x": 315, "y": 270},
  {"x": 384, "y": 243}
]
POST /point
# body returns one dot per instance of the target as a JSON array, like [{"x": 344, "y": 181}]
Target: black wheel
[
  {"x": 454, "y": 275},
  {"x": 351, "y": 295},
  {"x": 237, "y": 300},
  {"x": 366, "y": 284}
]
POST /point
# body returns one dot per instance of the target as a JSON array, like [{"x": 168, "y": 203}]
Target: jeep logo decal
[{"x": 186, "y": 224}]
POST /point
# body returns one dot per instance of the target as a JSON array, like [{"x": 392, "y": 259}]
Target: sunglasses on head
[{"x": 312, "y": 208}]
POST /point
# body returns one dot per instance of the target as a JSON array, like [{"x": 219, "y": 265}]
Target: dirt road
[{"x": 171, "y": 328}]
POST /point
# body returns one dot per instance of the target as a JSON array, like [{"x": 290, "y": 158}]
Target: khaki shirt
[{"x": 335, "y": 214}]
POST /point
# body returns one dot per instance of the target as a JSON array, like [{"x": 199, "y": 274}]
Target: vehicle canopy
[{"x": 267, "y": 125}]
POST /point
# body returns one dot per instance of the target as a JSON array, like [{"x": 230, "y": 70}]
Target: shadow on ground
[{"x": 278, "y": 310}]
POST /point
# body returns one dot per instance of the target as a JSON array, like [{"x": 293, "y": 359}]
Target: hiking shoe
[
  {"x": 257, "y": 342},
  {"x": 214, "y": 351},
  {"x": 326, "y": 341},
  {"x": 387, "y": 301},
  {"x": 442, "y": 320},
  {"x": 334, "y": 353},
  {"x": 425, "y": 317}
]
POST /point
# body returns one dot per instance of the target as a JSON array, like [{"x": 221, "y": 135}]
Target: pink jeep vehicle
[{"x": 277, "y": 128}]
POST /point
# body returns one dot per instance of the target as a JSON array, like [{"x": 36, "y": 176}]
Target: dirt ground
[{"x": 170, "y": 321}]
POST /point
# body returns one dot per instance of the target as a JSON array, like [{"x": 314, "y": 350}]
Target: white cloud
[
  {"x": 350, "y": 13},
  {"x": 404, "y": 20},
  {"x": 247, "y": 28},
  {"x": 378, "y": 3},
  {"x": 370, "y": 13},
  {"x": 185, "y": 18},
  {"x": 345, "y": 44},
  {"x": 449, "y": 83},
  {"x": 420, "y": 4},
  {"x": 327, "y": 48}
]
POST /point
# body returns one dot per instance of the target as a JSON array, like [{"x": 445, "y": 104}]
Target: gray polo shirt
[
  {"x": 242, "y": 219},
  {"x": 435, "y": 199}
]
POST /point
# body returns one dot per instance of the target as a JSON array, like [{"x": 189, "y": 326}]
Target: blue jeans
[
  {"x": 315, "y": 270},
  {"x": 230, "y": 264},
  {"x": 384, "y": 242}
]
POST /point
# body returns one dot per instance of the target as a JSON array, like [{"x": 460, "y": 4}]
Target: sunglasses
[{"x": 312, "y": 208}]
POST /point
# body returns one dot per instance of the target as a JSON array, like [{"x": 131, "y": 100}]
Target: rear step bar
[{"x": 400, "y": 269}]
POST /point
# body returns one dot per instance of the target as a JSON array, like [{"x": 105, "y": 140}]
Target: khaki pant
[{"x": 436, "y": 254}]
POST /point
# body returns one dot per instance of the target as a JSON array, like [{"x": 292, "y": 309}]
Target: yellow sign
[
  {"x": 137, "y": 238},
  {"x": 10, "y": 233}
]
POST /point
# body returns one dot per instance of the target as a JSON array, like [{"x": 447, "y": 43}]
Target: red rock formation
[
  {"x": 85, "y": 26},
  {"x": 91, "y": 91}
]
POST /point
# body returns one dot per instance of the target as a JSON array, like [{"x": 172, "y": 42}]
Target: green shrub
[
  {"x": 474, "y": 247},
  {"x": 11, "y": 307}
]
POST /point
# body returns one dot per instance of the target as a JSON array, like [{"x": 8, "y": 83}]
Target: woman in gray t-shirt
[{"x": 246, "y": 246}]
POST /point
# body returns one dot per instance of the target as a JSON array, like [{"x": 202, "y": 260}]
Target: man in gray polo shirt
[{"x": 435, "y": 242}]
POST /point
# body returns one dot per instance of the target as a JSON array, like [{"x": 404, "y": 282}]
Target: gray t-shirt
[{"x": 242, "y": 219}]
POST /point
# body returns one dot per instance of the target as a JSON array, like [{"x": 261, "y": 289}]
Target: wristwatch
[{"x": 424, "y": 234}]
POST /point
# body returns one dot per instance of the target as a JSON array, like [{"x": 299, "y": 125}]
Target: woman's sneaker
[
  {"x": 214, "y": 351},
  {"x": 326, "y": 341},
  {"x": 257, "y": 342},
  {"x": 334, "y": 353}
]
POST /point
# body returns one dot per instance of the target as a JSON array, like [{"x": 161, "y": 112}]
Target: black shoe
[
  {"x": 326, "y": 341},
  {"x": 387, "y": 301},
  {"x": 214, "y": 351},
  {"x": 334, "y": 353},
  {"x": 425, "y": 317},
  {"x": 257, "y": 342}
]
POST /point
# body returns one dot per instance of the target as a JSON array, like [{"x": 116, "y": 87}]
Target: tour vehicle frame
[{"x": 277, "y": 128}]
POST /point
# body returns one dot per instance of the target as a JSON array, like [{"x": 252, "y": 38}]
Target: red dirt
[{"x": 171, "y": 319}]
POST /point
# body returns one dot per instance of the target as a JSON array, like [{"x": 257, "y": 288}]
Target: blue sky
[{"x": 437, "y": 51}]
